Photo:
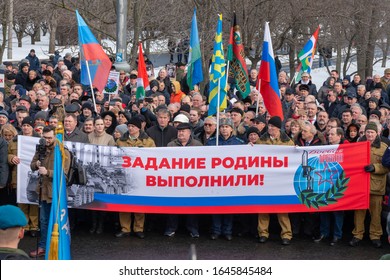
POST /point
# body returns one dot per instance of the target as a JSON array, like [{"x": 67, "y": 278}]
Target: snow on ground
[
  {"x": 41, "y": 49},
  {"x": 319, "y": 75}
]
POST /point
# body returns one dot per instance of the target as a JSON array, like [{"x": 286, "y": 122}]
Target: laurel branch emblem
[{"x": 317, "y": 200}]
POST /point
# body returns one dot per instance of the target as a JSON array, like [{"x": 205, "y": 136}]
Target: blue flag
[
  {"x": 194, "y": 72},
  {"x": 59, "y": 223},
  {"x": 217, "y": 74}
]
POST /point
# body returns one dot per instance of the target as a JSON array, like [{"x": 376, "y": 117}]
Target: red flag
[{"x": 142, "y": 79}]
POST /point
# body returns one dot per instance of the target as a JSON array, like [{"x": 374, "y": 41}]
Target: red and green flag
[
  {"x": 236, "y": 56},
  {"x": 142, "y": 79}
]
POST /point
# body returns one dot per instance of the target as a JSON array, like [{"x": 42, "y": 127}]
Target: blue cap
[{"x": 11, "y": 216}]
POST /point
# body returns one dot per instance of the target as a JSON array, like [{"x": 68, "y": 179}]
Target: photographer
[{"x": 43, "y": 161}]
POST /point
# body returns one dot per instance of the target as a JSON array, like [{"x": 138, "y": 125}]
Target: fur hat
[
  {"x": 304, "y": 87},
  {"x": 371, "y": 126},
  {"x": 226, "y": 121},
  {"x": 67, "y": 72}
]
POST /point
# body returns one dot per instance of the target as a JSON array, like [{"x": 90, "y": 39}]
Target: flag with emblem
[
  {"x": 306, "y": 55},
  {"x": 217, "y": 94},
  {"x": 236, "y": 55}
]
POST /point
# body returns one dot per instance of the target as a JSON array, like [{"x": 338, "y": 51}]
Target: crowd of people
[{"x": 39, "y": 94}]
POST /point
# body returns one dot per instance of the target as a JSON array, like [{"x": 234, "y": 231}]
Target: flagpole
[
  {"x": 258, "y": 97},
  {"x": 218, "y": 101},
  {"x": 90, "y": 84},
  {"x": 227, "y": 73},
  {"x": 292, "y": 83}
]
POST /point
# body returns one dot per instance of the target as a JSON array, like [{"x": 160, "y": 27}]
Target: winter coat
[
  {"x": 76, "y": 136},
  {"x": 4, "y": 169},
  {"x": 191, "y": 143},
  {"x": 232, "y": 140},
  {"x": 378, "y": 177},
  {"x": 21, "y": 79},
  {"x": 323, "y": 91},
  {"x": 284, "y": 140},
  {"x": 104, "y": 139},
  {"x": 318, "y": 140},
  {"x": 142, "y": 141},
  {"x": 34, "y": 62},
  {"x": 162, "y": 136},
  {"x": 178, "y": 95},
  {"x": 47, "y": 180}
]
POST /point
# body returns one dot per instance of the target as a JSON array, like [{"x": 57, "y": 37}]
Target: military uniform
[
  {"x": 263, "y": 219},
  {"x": 377, "y": 191},
  {"x": 142, "y": 141}
]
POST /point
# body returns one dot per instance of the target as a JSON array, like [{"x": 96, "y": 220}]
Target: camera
[
  {"x": 41, "y": 149},
  {"x": 149, "y": 99}
]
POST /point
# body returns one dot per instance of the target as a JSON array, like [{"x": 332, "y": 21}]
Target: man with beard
[
  {"x": 46, "y": 170},
  {"x": 322, "y": 120}
]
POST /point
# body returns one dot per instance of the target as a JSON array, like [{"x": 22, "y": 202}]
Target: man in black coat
[{"x": 162, "y": 133}]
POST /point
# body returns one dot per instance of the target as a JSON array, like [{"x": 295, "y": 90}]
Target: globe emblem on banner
[
  {"x": 319, "y": 183},
  {"x": 111, "y": 86}
]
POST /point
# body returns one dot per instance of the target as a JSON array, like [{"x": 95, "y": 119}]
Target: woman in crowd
[{"x": 99, "y": 137}]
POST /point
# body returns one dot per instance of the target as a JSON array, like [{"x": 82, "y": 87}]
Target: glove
[{"x": 369, "y": 168}]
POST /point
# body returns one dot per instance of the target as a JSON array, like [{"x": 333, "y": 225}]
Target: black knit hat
[
  {"x": 376, "y": 112},
  {"x": 276, "y": 121},
  {"x": 373, "y": 99},
  {"x": 252, "y": 129},
  {"x": 28, "y": 120},
  {"x": 135, "y": 121}
]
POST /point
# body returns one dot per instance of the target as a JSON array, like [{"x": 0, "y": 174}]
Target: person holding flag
[{"x": 46, "y": 171}]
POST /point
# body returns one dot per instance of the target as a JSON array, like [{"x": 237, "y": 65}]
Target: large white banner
[{"x": 235, "y": 179}]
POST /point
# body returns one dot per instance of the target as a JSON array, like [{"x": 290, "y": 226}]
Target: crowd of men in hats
[{"x": 41, "y": 94}]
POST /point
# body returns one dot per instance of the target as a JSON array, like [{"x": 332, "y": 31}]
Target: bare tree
[{"x": 4, "y": 25}]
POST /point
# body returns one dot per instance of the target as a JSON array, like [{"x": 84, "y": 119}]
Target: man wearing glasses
[
  {"x": 331, "y": 104},
  {"x": 45, "y": 169}
]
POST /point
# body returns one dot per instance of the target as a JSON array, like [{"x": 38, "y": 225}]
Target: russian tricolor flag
[
  {"x": 93, "y": 57},
  {"x": 268, "y": 80}
]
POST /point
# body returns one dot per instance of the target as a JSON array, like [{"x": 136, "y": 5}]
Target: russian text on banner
[{"x": 268, "y": 179}]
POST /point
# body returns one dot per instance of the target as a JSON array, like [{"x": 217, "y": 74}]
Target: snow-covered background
[{"x": 42, "y": 52}]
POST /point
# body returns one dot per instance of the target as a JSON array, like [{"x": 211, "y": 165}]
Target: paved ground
[{"x": 87, "y": 246}]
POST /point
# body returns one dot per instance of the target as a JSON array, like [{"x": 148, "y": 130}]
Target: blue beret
[{"x": 11, "y": 216}]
